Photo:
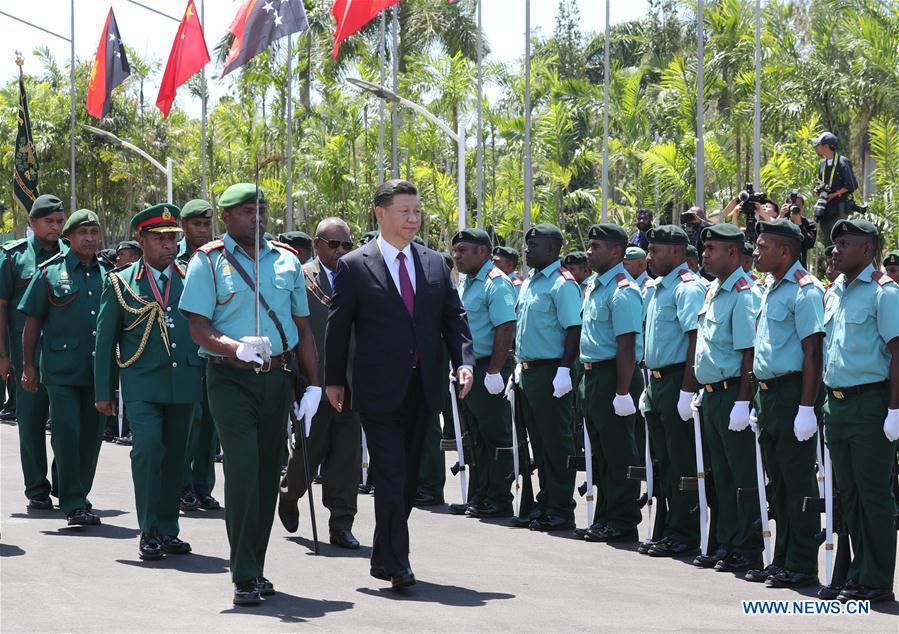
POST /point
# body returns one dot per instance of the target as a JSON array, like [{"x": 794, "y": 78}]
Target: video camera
[
  {"x": 823, "y": 190},
  {"x": 749, "y": 195}
]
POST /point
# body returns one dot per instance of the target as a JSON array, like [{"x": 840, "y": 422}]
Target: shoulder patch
[
  {"x": 51, "y": 260},
  {"x": 494, "y": 273},
  {"x": 686, "y": 275},
  {"x": 622, "y": 280},
  {"x": 181, "y": 272},
  {"x": 517, "y": 282},
  {"x": 649, "y": 283},
  {"x": 140, "y": 273},
  {"x": 803, "y": 277},
  {"x": 287, "y": 247},
  {"x": 742, "y": 285},
  {"x": 209, "y": 247},
  {"x": 10, "y": 245},
  {"x": 882, "y": 278},
  {"x": 566, "y": 274}
]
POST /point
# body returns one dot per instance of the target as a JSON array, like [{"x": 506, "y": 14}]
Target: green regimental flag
[{"x": 25, "y": 166}]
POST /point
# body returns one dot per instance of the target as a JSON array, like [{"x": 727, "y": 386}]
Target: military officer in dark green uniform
[
  {"x": 160, "y": 374},
  {"x": 61, "y": 303},
  {"x": 126, "y": 252},
  {"x": 299, "y": 241},
  {"x": 19, "y": 260},
  {"x": 199, "y": 468},
  {"x": 861, "y": 410}
]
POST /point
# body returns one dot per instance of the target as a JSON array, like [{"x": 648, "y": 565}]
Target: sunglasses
[{"x": 333, "y": 244}]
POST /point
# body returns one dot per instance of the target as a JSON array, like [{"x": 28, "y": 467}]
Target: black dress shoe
[
  {"x": 189, "y": 501},
  {"x": 379, "y": 572},
  {"x": 8, "y": 414},
  {"x": 609, "y": 534},
  {"x": 760, "y": 575},
  {"x": 672, "y": 548},
  {"x": 790, "y": 579},
  {"x": 264, "y": 586},
  {"x": 246, "y": 593},
  {"x": 41, "y": 503},
  {"x": 150, "y": 549},
  {"x": 124, "y": 440},
  {"x": 219, "y": 457},
  {"x": 108, "y": 436},
  {"x": 737, "y": 562},
  {"x": 171, "y": 545},
  {"x": 458, "y": 509},
  {"x": 865, "y": 593},
  {"x": 289, "y": 513},
  {"x": 426, "y": 499},
  {"x": 525, "y": 521},
  {"x": 365, "y": 489},
  {"x": 709, "y": 560},
  {"x": 82, "y": 517},
  {"x": 208, "y": 503},
  {"x": 490, "y": 510},
  {"x": 645, "y": 545},
  {"x": 828, "y": 593},
  {"x": 344, "y": 539},
  {"x": 551, "y": 523},
  {"x": 402, "y": 579}
]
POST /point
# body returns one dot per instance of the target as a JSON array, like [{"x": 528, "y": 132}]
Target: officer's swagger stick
[
  {"x": 763, "y": 498},
  {"x": 828, "y": 518},
  {"x": 700, "y": 479},
  {"x": 516, "y": 459},
  {"x": 588, "y": 459},
  {"x": 257, "y": 329},
  {"x": 459, "y": 467}
]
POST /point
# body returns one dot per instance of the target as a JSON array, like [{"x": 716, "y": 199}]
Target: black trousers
[{"x": 395, "y": 441}]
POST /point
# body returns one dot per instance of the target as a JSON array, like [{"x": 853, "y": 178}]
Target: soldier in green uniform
[
  {"x": 861, "y": 410},
  {"x": 248, "y": 376},
  {"x": 577, "y": 264},
  {"x": 891, "y": 265},
  {"x": 787, "y": 367},
  {"x": 160, "y": 374},
  {"x": 723, "y": 366},
  {"x": 199, "y": 468},
  {"x": 693, "y": 262},
  {"x": 635, "y": 265},
  {"x": 506, "y": 260},
  {"x": 299, "y": 241},
  {"x": 61, "y": 303},
  {"x": 489, "y": 301},
  {"x": 610, "y": 347},
  {"x": 126, "y": 252},
  {"x": 19, "y": 260},
  {"x": 547, "y": 334},
  {"x": 670, "y": 347}
]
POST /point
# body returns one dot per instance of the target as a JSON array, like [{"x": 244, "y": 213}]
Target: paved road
[{"x": 473, "y": 575}]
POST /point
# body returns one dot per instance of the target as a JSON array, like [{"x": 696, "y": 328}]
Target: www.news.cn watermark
[{"x": 805, "y": 607}]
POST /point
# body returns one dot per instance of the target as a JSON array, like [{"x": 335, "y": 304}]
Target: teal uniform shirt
[
  {"x": 65, "y": 295},
  {"x": 829, "y": 307},
  {"x": 184, "y": 251},
  {"x": 516, "y": 283},
  {"x": 549, "y": 304},
  {"x": 216, "y": 291},
  {"x": 586, "y": 284},
  {"x": 671, "y": 313},
  {"x": 791, "y": 310},
  {"x": 613, "y": 306},
  {"x": 726, "y": 328},
  {"x": 862, "y": 318},
  {"x": 489, "y": 301}
]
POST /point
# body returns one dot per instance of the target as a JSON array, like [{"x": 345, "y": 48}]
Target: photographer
[
  {"x": 747, "y": 209},
  {"x": 836, "y": 182},
  {"x": 693, "y": 222},
  {"x": 792, "y": 210}
]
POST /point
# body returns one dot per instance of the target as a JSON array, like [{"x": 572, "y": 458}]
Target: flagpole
[
  {"x": 72, "y": 199},
  {"x": 757, "y": 114},
  {"x": 203, "y": 105},
  {"x": 480, "y": 138},
  {"x": 395, "y": 114},
  {"x": 605, "y": 123},
  {"x": 700, "y": 101},
  {"x": 288, "y": 221},
  {"x": 527, "y": 115},
  {"x": 382, "y": 52}
]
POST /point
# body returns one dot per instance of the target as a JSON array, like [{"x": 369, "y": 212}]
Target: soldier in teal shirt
[
  {"x": 19, "y": 260},
  {"x": 671, "y": 323},
  {"x": 723, "y": 365},
  {"x": 506, "y": 260},
  {"x": 611, "y": 346},
  {"x": 787, "y": 367},
  {"x": 547, "y": 334},
  {"x": 861, "y": 410},
  {"x": 489, "y": 301}
]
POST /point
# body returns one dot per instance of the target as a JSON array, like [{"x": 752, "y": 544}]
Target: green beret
[
  {"x": 81, "y": 218},
  {"x": 781, "y": 227},
  {"x": 296, "y": 239},
  {"x": 474, "y": 236},
  {"x": 196, "y": 208},
  {"x": 634, "y": 253},
  {"x": 575, "y": 257},
  {"x": 667, "y": 234},
  {"x": 828, "y": 251},
  {"x": 724, "y": 232},
  {"x": 157, "y": 219},
  {"x": 692, "y": 252},
  {"x": 129, "y": 244},
  {"x": 418, "y": 240},
  {"x": 506, "y": 252},
  {"x": 544, "y": 231},
  {"x": 44, "y": 205},
  {"x": 368, "y": 236},
  {"x": 239, "y": 194},
  {"x": 607, "y": 231},
  {"x": 450, "y": 262},
  {"x": 856, "y": 227},
  {"x": 892, "y": 259},
  {"x": 748, "y": 248}
]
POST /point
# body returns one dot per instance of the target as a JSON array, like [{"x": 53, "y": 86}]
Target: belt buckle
[
  {"x": 656, "y": 374},
  {"x": 588, "y": 365},
  {"x": 524, "y": 365},
  {"x": 838, "y": 395},
  {"x": 709, "y": 389},
  {"x": 763, "y": 385},
  {"x": 724, "y": 385},
  {"x": 266, "y": 366}
]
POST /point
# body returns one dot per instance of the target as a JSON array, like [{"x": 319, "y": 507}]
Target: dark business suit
[{"x": 397, "y": 370}]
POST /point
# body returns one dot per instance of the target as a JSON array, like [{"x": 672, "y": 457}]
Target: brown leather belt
[
  {"x": 721, "y": 385},
  {"x": 275, "y": 363}
]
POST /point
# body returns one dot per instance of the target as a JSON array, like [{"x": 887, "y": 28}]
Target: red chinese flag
[
  {"x": 352, "y": 15},
  {"x": 189, "y": 54}
]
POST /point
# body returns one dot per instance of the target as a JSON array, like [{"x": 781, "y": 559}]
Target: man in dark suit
[
  {"x": 334, "y": 440},
  {"x": 403, "y": 303}
]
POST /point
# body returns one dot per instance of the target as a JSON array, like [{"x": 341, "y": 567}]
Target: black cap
[
  {"x": 129, "y": 244},
  {"x": 892, "y": 259},
  {"x": 296, "y": 239},
  {"x": 545, "y": 230},
  {"x": 781, "y": 227},
  {"x": 506, "y": 252},
  {"x": 667, "y": 234},
  {"x": 826, "y": 138},
  {"x": 692, "y": 252},
  {"x": 724, "y": 232},
  {"x": 474, "y": 236},
  {"x": 575, "y": 257},
  {"x": 748, "y": 248},
  {"x": 856, "y": 227},
  {"x": 828, "y": 251},
  {"x": 607, "y": 231}
]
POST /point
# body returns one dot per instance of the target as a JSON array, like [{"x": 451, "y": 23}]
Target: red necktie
[{"x": 406, "y": 290}]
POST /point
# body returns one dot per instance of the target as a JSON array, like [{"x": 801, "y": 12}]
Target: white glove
[
  {"x": 623, "y": 404},
  {"x": 685, "y": 405},
  {"x": 754, "y": 421},
  {"x": 494, "y": 383},
  {"x": 739, "y": 416},
  {"x": 516, "y": 374},
  {"x": 644, "y": 403},
  {"x": 891, "y": 425},
  {"x": 254, "y": 349},
  {"x": 307, "y": 406},
  {"x": 805, "y": 424},
  {"x": 562, "y": 382}
]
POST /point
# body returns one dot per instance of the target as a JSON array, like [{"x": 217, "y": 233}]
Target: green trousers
[
  {"x": 674, "y": 445},
  {"x": 432, "y": 472},
  {"x": 32, "y": 412},
  {"x": 159, "y": 441},
  {"x": 548, "y": 421},
  {"x": 790, "y": 465},
  {"x": 862, "y": 460},
  {"x": 489, "y": 420},
  {"x": 732, "y": 456},
  {"x": 76, "y": 437},
  {"x": 250, "y": 412},
  {"x": 199, "y": 467},
  {"x": 613, "y": 447}
]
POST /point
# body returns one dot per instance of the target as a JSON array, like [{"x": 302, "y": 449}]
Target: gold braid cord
[{"x": 149, "y": 312}]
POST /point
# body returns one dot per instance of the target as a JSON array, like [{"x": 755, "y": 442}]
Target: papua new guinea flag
[
  {"x": 109, "y": 70},
  {"x": 257, "y": 24}
]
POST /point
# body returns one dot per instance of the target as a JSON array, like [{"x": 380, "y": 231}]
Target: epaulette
[
  {"x": 881, "y": 278},
  {"x": 178, "y": 269},
  {"x": 622, "y": 280},
  {"x": 742, "y": 284},
  {"x": 686, "y": 276},
  {"x": 517, "y": 282},
  {"x": 120, "y": 268},
  {"x": 650, "y": 282},
  {"x": 209, "y": 247},
  {"x": 284, "y": 246},
  {"x": 494, "y": 273},
  {"x": 52, "y": 259},
  {"x": 9, "y": 245},
  {"x": 565, "y": 273},
  {"x": 803, "y": 277}
]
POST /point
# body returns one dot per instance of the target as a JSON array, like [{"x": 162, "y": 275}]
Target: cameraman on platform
[{"x": 836, "y": 182}]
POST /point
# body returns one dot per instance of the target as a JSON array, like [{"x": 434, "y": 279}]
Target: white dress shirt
[{"x": 390, "y": 253}]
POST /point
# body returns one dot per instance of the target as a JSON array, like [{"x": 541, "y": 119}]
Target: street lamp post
[
  {"x": 167, "y": 169},
  {"x": 457, "y": 136}
]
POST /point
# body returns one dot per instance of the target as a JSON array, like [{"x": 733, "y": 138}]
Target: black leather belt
[
  {"x": 721, "y": 385},
  {"x": 595, "y": 365},
  {"x": 840, "y": 393},
  {"x": 767, "y": 384},
  {"x": 275, "y": 363},
  {"x": 664, "y": 371},
  {"x": 536, "y": 363}
]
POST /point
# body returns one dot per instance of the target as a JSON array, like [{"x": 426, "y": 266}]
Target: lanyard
[
  {"x": 836, "y": 161},
  {"x": 151, "y": 277}
]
